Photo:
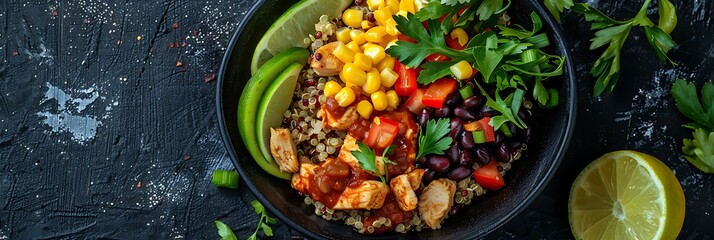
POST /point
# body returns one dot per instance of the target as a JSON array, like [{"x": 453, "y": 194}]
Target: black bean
[
  {"x": 444, "y": 112},
  {"x": 483, "y": 155},
  {"x": 453, "y": 99},
  {"x": 503, "y": 153},
  {"x": 439, "y": 163},
  {"x": 464, "y": 114},
  {"x": 487, "y": 111},
  {"x": 459, "y": 173},
  {"x": 467, "y": 140},
  {"x": 456, "y": 126},
  {"x": 499, "y": 136},
  {"x": 474, "y": 102},
  {"x": 424, "y": 117},
  {"x": 523, "y": 114},
  {"x": 422, "y": 160},
  {"x": 515, "y": 144},
  {"x": 454, "y": 151},
  {"x": 466, "y": 159},
  {"x": 514, "y": 130},
  {"x": 429, "y": 175},
  {"x": 526, "y": 136}
]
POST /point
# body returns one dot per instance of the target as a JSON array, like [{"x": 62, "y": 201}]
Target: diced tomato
[
  {"x": 462, "y": 10},
  {"x": 437, "y": 57},
  {"x": 454, "y": 43},
  {"x": 437, "y": 91},
  {"x": 381, "y": 133},
  {"x": 487, "y": 129},
  {"x": 489, "y": 177},
  {"x": 402, "y": 37},
  {"x": 414, "y": 102},
  {"x": 406, "y": 82}
]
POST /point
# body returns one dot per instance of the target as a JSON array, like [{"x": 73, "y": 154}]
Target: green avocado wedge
[
  {"x": 252, "y": 95},
  {"x": 276, "y": 100}
]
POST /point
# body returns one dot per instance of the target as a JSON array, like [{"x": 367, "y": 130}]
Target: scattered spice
[
  {"x": 196, "y": 32},
  {"x": 186, "y": 157},
  {"x": 118, "y": 42},
  {"x": 179, "y": 63},
  {"x": 172, "y": 45},
  {"x": 183, "y": 44},
  {"x": 138, "y": 38},
  {"x": 138, "y": 185},
  {"x": 55, "y": 12},
  {"x": 209, "y": 78},
  {"x": 175, "y": 25},
  {"x": 15, "y": 53}
]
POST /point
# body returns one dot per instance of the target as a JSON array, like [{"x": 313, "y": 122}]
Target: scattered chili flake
[
  {"x": 55, "y": 12},
  {"x": 186, "y": 157},
  {"x": 179, "y": 63},
  {"x": 15, "y": 53},
  {"x": 118, "y": 42},
  {"x": 172, "y": 45},
  {"x": 209, "y": 78},
  {"x": 138, "y": 185},
  {"x": 183, "y": 44},
  {"x": 196, "y": 32},
  {"x": 175, "y": 25}
]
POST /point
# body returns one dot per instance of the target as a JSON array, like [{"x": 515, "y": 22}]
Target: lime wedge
[
  {"x": 275, "y": 102},
  {"x": 291, "y": 28},
  {"x": 626, "y": 195},
  {"x": 252, "y": 95}
]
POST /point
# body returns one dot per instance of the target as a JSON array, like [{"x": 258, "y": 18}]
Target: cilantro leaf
[
  {"x": 366, "y": 158},
  {"x": 432, "y": 71},
  {"x": 262, "y": 222},
  {"x": 487, "y": 58},
  {"x": 224, "y": 231},
  {"x": 520, "y": 32},
  {"x": 555, "y": 7},
  {"x": 661, "y": 42},
  {"x": 434, "y": 137},
  {"x": 489, "y": 8},
  {"x": 454, "y": 2},
  {"x": 412, "y": 54},
  {"x": 701, "y": 112},
  {"x": 700, "y": 150}
]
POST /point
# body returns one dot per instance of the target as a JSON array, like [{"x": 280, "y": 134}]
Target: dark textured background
[{"x": 108, "y": 126}]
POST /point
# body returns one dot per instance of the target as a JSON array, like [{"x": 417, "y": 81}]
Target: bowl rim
[{"x": 560, "y": 44}]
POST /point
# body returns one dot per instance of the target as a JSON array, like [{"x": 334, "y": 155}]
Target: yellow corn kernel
[
  {"x": 387, "y": 62},
  {"x": 402, "y": 13},
  {"x": 352, "y": 17},
  {"x": 352, "y": 74},
  {"x": 374, "y": 81},
  {"x": 348, "y": 84},
  {"x": 331, "y": 88},
  {"x": 366, "y": 24},
  {"x": 375, "y": 52},
  {"x": 406, "y": 5},
  {"x": 386, "y": 40},
  {"x": 391, "y": 43},
  {"x": 375, "y": 4},
  {"x": 358, "y": 36},
  {"x": 362, "y": 62},
  {"x": 345, "y": 97},
  {"x": 393, "y": 5},
  {"x": 392, "y": 99},
  {"x": 379, "y": 100},
  {"x": 391, "y": 27},
  {"x": 343, "y": 35},
  {"x": 382, "y": 15},
  {"x": 460, "y": 35},
  {"x": 375, "y": 34},
  {"x": 462, "y": 70},
  {"x": 364, "y": 108},
  {"x": 342, "y": 52},
  {"x": 388, "y": 77},
  {"x": 354, "y": 47}
]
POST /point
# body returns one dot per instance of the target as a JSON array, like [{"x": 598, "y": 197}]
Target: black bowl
[{"x": 524, "y": 181}]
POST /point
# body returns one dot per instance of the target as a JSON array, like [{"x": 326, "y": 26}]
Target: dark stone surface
[{"x": 108, "y": 125}]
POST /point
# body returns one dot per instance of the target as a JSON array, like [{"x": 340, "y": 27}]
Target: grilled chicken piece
[
  {"x": 403, "y": 187},
  {"x": 369, "y": 194},
  {"x": 345, "y": 155},
  {"x": 328, "y": 64},
  {"x": 342, "y": 123},
  {"x": 303, "y": 179},
  {"x": 283, "y": 150},
  {"x": 435, "y": 202}
]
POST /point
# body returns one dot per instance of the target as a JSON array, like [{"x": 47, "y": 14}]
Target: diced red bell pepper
[
  {"x": 487, "y": 129},
  {"x": 382, "y": 133},
  {"x": 454, "y": 43},
  {"x": 437, "y": 57},
  {"x": 437, "y": 92},
  {"x": 402, "y": 37},
  {"x": 406, "y": 83},
  {"x": 489, "y": 177},
  {"x": 414, "y": 102}
]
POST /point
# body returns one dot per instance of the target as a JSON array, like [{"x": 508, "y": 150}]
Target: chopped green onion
[
  {"x": 529, "y": 55},
  {"x": 225, "y": 178},
  {"x": 479, "y": 137},
  {"x": 466, "y": 91},
  {"x": 516, "y": 104},
  {"x": 553, "y": 99}
]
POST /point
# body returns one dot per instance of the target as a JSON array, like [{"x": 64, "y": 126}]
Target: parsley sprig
[
  {"x": 263, "y": 221},
  {"x": 224, "y": 231},
  {"x": 700, "y": 150},
  {"x": 367, "y": 159},
  {"x": 555, "y": 7},
  {"x": 434, "y": 137},
  {"x": 614, "y": 33}
]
